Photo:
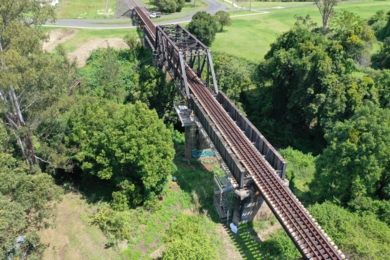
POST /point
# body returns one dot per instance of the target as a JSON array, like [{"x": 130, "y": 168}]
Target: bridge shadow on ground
[
  {"x": 245, "y": 242},
  {"x": 196, "y": 179}
]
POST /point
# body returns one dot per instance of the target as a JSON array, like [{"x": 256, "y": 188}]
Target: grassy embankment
[{"x": 250, "y": 37}]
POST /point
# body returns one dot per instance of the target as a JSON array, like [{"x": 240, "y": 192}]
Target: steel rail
[{"x": 309, "y": 238}]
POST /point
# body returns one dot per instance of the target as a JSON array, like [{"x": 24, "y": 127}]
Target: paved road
[{"x": 213, "y": 7}]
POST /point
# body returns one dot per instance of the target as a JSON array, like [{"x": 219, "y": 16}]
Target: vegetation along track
[{"x": 308, "y": 236}]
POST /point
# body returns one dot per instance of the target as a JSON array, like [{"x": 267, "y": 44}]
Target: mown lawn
[
  {"x": 85, "y": 9},
  {"x": 250, "y": 36}
]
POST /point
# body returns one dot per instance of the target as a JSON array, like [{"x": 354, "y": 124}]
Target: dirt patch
[
  {"x": 57, "y": 37},
  {"x": 158, "y": 253},
  {"x": 174, "y": 186},
  {"x": 208, "y": 163},
  {"x": 229, "y": 249},
  {"x": 72, "y": 236},
  {"x": 263, "y": 235},
  {"x": 81, "y": 54}
]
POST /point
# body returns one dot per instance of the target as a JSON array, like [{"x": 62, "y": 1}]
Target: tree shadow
[
  {"x": 92, "y": 188},
  {"x": 194, "y": 179}
]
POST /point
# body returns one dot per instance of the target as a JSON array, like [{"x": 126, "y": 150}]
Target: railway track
[{"x": 307, "y": 235}]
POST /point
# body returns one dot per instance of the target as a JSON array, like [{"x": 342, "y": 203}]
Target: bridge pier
[
  {"x": 250, "y": 208},
  {"x": 194, "y": 140}
]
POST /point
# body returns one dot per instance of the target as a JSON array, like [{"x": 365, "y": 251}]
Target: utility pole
[
  {"x": 194, "y": 3},
  {"x": 250, "y": 4},
  {"x": 105, "y": 13}
]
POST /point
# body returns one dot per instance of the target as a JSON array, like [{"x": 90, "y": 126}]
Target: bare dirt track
[
  {"x": 81, "y": 54},
  {"x": 57, "y": 37},
  {"x": 73, "y": 237}
]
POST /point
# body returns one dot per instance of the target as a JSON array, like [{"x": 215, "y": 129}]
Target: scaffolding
[{"x": 223, "y": 198}]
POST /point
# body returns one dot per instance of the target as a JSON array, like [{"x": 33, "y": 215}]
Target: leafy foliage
[
  {"x": 31, "y": 80},
  {"x": 356, "y": 162},
  {"x": 307, "y": 80},
  {"x": 233, "y": 75},
  {"x": 204, "y": 27},
  {"x": 359, "y": 237},
  {"x": 381, "y": 60},
  {"x": 24, "y": 198},
  {"x": 355, "y": 36},
  {"x": 126, "y": 144},
  {"x": 223, "y": 18},
  {"x": 187, "y": 239},
  {"x": 279, "y": 246},
  {"x": 125, "y": 76},
  {"x": 169, "y": 6}
]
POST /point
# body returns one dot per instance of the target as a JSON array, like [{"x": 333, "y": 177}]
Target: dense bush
[
  {"x": 187, "y": 238},
  {"x": 124, "y": 144},
  {"x": 359, "y": 237}
]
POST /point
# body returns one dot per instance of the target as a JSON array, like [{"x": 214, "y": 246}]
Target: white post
[{"x": 105, "y": 13}]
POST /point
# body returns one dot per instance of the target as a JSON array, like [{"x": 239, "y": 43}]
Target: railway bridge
[{"x": 255, "y": 171}]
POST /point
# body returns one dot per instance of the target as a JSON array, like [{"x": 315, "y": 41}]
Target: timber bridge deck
[{"x": 249, "y": 157}]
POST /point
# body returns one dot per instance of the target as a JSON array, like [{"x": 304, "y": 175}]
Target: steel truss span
[{"x": 307, "y": 235}]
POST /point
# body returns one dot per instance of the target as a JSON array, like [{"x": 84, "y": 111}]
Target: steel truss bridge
[{"x": 248, "y": 155}]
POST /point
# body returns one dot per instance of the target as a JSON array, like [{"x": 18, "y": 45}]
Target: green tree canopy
[
  {"x": 204, "y": 27},
  {"x": 169, "y": 6},
  {"x": 223, "y": 18},
  {"x": 308, "y": 79},
  {"x": 356, "y": 162},
  {"x": 354, "y": 35},
  {"x": 233, "y": 74},
  {"x": 26, "y": 199},
  {"x": 125, "y": 144},
  {"x": 359, "y": 237},
  {"x": 30, "y": 80}
]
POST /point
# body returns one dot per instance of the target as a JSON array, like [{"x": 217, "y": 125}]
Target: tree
[
  {"x": 233, "y": 74},
  {"x": 223, "y": 18},
  {"x": 26, "y": 199},
  {"x": 381, "y": 60},
  {"x": 355, "y": 36},
  {"x": 307, "y": 78},
  {"x": 326, "y": 10},
  {"x": 358, "y": 236},
  {"x": 356, "y": 161},
  {"x": 125, "y": 145},
  {"x": 29, "y": 78},
  {"x": 204, "y": 27},
  {"x": 169, "y": 6}
]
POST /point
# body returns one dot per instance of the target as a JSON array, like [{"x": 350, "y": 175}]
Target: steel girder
[
  {"x": 148, "y": 37},
  {"x": 173, "y": 40}
]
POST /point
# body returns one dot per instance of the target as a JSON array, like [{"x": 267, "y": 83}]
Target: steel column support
[
  {"x": 212, "y": 71},
  {"x": 184, "y": 74}
]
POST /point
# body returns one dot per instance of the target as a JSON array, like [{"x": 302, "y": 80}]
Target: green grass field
[
  {"x": 250, "y": 37},
  {"x": 85, "y": 9}
]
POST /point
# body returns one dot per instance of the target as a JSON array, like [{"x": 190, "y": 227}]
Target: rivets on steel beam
[{"x": 342, "y": 256}]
